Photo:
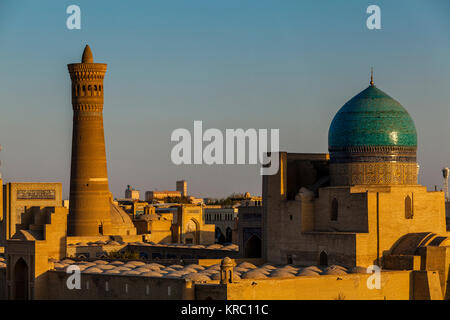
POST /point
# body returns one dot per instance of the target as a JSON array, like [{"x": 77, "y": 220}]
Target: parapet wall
[
  {"x": 149, "y": 252},
  {"x": 117, "y": 287},
  {"x": 394, "y": 286}
]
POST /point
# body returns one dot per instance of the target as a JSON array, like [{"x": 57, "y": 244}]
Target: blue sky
[{"x": 232, "y": 64}]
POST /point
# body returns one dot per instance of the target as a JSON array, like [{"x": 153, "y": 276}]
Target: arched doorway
[
  {"x": 253, "y": 247},
  {"x": 21, "y": 280},
  {"x": 192, "y": 232},
  {"x": 323, "y": 259},
  {"x": 220, "y": 238}
]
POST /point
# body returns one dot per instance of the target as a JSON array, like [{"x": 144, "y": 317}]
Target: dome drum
[
  {"x": 372, "y": 140},
  {"x": 371, "y": 173},
  {"x": 373, "y": 154}
]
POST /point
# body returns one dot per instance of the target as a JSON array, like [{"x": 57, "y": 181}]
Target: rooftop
[
  {"x": 196, "y": 272},
  {"x": 372, "y": 118},
  {"x": 229, "y": 247}
]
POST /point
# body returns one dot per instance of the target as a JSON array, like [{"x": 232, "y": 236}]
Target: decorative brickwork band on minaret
[{"x": 90, "y": 200}]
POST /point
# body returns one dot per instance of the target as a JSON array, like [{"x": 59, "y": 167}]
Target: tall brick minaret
[{"x": 90, "y": 202}]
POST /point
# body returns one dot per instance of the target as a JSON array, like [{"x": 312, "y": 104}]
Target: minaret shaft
[{"x": 90, "y": 199}]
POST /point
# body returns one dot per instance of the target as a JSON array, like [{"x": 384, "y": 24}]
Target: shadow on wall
[
  {"x": 252, "y": 248},
  {"x": 311, "y": 174},
  {"x": 151, "y": 252},
  {"x": 20, "y": 280},
  {"x": 221, "y": 237},
  {"x": 207, "y": 237},
  {"x": 19, "y": 285}
]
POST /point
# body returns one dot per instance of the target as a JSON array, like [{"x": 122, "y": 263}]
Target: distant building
[
  {"x": 225, "y": 221},
  {"x": 194, "y": 200},
  {"x": 190, "y": 227},
  {"x": 131, "y": 193},
  {"x": 181, "y": 191},
  {"x": 161, "y": 195},
  {"x": 182, "y": 187},
  {"x": 175, "y": 223},
  {"x": 250, "y": 200},
  {"x": 247, "y": 199},
  {"x": 159, "y": 227},
  {"x": 133, "y": 208}
]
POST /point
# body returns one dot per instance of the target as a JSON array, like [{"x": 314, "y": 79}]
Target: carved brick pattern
[
  {"x": 88, "y": 107},
  {"x": 90, "y": 118},
  {"x": 86, "y": 76},
  {"x": 373, "y": 173}
]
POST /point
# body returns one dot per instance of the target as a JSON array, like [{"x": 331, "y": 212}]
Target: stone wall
[
  {"x": 351, "y": 209},
  {"x": 168, "y": 252},
  {"x": 116, "y": 287},
  {"x": 394, "y": 285},
  {"x": 19, "y": 197}
]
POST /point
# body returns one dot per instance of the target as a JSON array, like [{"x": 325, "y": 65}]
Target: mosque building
[
  {"x": 361, "y": 201},
  {"x": 327, "y": 219}
]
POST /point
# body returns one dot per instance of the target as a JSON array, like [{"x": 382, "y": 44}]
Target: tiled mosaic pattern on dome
[{"x": 372, "y": 118}]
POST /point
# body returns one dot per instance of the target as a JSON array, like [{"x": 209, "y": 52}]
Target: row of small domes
[
  {"x": 195, "y": 272},
  {"x": 231, "y": 247}
]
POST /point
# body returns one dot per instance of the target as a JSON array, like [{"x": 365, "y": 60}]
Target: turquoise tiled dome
[{"x": 372, "y": 118}]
